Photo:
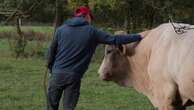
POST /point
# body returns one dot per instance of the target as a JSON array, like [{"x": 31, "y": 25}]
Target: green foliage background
[{"x": 128, "y": 14}]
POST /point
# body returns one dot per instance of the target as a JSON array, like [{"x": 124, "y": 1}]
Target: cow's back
[{"x": 172, "y": 60}]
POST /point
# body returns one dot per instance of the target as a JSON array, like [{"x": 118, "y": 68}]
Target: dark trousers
[{"x": 64, "y": 84}]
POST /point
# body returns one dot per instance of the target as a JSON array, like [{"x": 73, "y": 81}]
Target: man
[{"x": 70, "y": 53}]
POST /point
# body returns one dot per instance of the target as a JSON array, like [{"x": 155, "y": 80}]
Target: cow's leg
[
  {"x": 169, "y": 98},
  {"x": 187, "y": 104},
  {"x": 183, "y": 108}
]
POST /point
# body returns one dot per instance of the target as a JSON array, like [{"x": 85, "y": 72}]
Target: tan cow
[{"x": 161, "y": 67}]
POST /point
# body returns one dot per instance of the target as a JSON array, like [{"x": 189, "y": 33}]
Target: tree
[
  {"x": 59, "y": 12},
  {"x": 128, "y": 14}
]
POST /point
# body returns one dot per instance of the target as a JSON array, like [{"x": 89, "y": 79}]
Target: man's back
[
  {"x": 75, "y": 46},
  {"x": 75, "y": 42}
]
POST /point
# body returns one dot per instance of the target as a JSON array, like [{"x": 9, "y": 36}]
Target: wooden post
[
  {"x": 18, "y": 27},
  {"x": 20, "y": 41}
]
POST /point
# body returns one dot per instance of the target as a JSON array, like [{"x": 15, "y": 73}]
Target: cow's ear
[
  {"x": 129, "y": 49},
  {"x": 120, "y": 47},
  {"x": 123, "y": 49}
]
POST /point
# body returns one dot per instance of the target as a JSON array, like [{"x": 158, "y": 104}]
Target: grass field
[
  {"x": 24, "y": 28},
  {"x": 21, "y": 86}
]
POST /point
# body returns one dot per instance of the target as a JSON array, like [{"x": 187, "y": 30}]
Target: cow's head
[{"x": 115, "y": 66}]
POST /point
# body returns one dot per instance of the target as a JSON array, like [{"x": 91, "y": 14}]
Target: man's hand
[
  {"x": 144, "y": 33},
  {"x": 49, "y": 67}
]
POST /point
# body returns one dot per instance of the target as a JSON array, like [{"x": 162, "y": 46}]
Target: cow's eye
[{"x": 108, "y": 51}]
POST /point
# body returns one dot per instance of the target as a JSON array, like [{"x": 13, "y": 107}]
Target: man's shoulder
[{"x": 61, "y": 27}]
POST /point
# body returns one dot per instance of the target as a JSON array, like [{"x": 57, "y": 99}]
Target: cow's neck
[{"x": 139, "y": 77}]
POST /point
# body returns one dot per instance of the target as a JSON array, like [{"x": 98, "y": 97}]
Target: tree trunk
[{"x": 59, "y": 12}]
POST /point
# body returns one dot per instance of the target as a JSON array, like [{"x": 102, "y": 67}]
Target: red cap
[{"x": 83, "y": 10}]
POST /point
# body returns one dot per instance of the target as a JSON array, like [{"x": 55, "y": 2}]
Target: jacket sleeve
[
  {"x": 52, "y": 51},
  {"x": 106, "y": 38}
]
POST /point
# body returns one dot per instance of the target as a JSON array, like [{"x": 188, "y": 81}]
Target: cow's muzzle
[{"x": 105, "y": 76}]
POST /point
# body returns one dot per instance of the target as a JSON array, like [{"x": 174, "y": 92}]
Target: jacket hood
[{"x": 76, "y": 21}]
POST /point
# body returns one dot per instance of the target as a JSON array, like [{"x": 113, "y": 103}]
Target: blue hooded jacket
[{"x": 75, "y": 42}]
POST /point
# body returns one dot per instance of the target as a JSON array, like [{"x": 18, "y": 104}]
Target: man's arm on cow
[
  {"x": 106, "y": 38},
  {"x": 144, "y": 33},
  {"x": 52, "y": 52}
]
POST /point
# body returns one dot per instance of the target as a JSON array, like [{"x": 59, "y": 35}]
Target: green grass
[
  {"x": 7, "y": 28},
  {"x": 44, "y": 29},
  {"x": 30, "y": 48},
  {"x": 4, "y": 45},
  {"x": 4, "y": 48},
  {"x": 21, "y": 89}
]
